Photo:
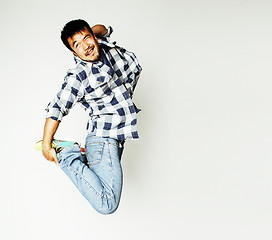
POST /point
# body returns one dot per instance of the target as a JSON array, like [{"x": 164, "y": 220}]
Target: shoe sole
[{"x": 61, "y": 144}]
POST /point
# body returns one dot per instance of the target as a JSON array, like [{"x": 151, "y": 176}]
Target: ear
[
  {"x": 74, "y": 52},
  {"x": 95, "y": 37}
]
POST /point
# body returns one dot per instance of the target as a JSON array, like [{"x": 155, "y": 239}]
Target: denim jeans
[{"x": 98, "y": 175}]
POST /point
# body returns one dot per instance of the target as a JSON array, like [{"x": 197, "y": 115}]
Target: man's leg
[{"x": 99, "y": 179}]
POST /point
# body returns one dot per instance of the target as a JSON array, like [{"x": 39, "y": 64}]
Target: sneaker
[{"x": 58, "y": 145}]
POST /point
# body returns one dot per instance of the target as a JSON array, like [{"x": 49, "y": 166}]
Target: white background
[{"x": 202, "y": 168}]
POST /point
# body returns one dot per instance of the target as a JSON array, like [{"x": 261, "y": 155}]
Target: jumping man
[{"x": 102, "y": 81}]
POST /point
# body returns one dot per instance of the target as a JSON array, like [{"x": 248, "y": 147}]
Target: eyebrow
[{"x": 87, "y": 35}]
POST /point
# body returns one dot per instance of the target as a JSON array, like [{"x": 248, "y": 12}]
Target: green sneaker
[{"x": 58, "y": 145}]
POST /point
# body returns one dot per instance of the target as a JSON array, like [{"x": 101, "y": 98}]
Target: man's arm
[
  {"x": 131, "y": 81},
  {"x": 71, "y": 91},
  {"x": 99, "y": 30},
  {"x": 50, "y": 128}
]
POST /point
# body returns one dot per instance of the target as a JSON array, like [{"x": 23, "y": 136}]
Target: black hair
[{"x": 73, "y": 27}]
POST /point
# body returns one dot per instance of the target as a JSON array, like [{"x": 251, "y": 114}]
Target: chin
[
  {"x": 96, "y": 58},
  {"x": 91, "y": 58}
]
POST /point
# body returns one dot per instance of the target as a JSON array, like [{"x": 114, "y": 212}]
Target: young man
[{"x": 102, "y": 81}]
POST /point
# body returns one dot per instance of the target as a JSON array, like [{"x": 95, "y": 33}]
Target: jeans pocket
[{"x": 94, "y": 152}]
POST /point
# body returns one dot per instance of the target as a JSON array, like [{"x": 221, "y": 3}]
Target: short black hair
[{"x": 73, "y": 27}]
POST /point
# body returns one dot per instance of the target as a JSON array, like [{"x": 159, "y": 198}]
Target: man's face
[{"x": 85, "y": 46}]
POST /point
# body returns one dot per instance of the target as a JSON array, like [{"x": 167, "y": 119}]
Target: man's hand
[
  {"x": 50, "y": 128},
  {"x": 50, "y": 154}
]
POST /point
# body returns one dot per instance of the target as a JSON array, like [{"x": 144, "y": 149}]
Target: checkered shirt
[{"x": 105, "y": 92}]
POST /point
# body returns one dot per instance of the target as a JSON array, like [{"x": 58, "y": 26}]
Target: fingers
[
  {"x": 55, "y": 159},
  {"x": 50, "y": 155}
]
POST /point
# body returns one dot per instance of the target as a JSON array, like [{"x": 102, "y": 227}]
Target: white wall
[{"x": 202, "y": 168}]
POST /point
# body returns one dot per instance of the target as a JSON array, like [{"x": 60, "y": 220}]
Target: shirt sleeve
[
  {"x": 134, "y": 70},
  {"x": 109, "y": 32},
  {"x": 71, "y": 91}
]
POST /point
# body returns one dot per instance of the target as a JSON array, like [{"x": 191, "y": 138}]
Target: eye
[{"x": 87, "y": 39}]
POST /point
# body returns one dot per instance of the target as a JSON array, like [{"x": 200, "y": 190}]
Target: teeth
[{"x": 89, "y": 53}]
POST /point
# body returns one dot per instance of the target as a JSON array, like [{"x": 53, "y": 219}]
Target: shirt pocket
[
  {"x": 98, "y": 89},
  {"x": 101, "y": 82}
]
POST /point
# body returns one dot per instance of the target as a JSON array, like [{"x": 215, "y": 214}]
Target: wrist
[{"x": 46, "y": 146}]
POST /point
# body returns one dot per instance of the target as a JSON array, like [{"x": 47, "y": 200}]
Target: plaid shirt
[{"x": 104, "y": 90}]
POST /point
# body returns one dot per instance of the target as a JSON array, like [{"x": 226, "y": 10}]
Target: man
[{"x": 102, "y": 81}]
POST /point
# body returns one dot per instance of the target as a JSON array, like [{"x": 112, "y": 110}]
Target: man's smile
[{"x": 90, "y": 51}]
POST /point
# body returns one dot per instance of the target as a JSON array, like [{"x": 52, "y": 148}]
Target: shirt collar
[{"x": 104, "y": 41}]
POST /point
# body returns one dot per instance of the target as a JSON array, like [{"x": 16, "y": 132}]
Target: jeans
[{"x": 98, "y": 175}]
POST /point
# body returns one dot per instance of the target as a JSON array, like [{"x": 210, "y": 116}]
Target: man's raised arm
[{"x": 99, "y": 30}]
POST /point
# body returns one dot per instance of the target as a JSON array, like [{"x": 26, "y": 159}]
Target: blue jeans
[{"x": 98, "y": 175}]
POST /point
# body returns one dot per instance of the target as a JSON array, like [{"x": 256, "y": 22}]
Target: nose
[{"x": 85, "y": 45}]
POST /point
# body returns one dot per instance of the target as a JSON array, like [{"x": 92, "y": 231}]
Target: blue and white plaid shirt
[{"x": 104, "y": 90}]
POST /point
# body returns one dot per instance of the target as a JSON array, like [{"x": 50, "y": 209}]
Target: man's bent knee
[{"x": 108, "y": 210}]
